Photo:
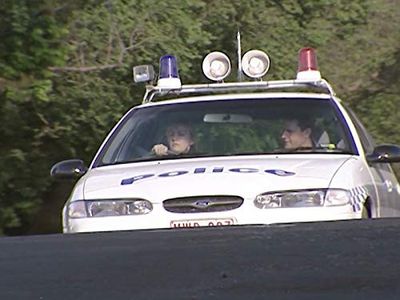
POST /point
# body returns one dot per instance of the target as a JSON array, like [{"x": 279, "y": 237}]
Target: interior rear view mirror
[{"x": 227, "y": 118}]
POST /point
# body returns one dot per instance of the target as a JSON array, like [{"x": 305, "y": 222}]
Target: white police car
[{"x": 248, "y": 152}]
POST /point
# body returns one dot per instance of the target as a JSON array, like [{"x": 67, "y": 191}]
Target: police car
[{"x": 232, "y": 153}]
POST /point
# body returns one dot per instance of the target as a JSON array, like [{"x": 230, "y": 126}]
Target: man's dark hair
[{"x": 305, "y": 122}]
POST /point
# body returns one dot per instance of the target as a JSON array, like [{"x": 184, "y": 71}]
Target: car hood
[{"x": 244, "y": 176}]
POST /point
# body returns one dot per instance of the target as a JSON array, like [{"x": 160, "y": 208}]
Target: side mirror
[
  {"x": 68, "y": 169},
  {"x": 385, "y": 154}
]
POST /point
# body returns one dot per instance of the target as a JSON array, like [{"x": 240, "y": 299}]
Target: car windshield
[{"x": 226, "y": 127}]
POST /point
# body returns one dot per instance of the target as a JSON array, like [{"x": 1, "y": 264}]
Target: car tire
[{"x": 366, "y": 210}]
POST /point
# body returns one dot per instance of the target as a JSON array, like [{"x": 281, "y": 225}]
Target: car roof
[{"x": 228, "y": 97}]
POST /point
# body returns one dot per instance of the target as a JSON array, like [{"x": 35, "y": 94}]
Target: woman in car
[{"x": 179, "y": 140}]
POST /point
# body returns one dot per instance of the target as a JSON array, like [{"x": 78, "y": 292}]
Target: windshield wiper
[{"x": 156, "y": 158}]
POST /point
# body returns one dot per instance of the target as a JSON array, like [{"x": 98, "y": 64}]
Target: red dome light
[
  {"x": 308, "y": 69},
  {"x": 307, "y": 60}
]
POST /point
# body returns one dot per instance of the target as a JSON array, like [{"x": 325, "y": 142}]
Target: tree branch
[{"x": 84, "y": 69}]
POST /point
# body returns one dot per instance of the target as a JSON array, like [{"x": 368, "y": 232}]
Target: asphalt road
[{"x": 330, "y": 260}]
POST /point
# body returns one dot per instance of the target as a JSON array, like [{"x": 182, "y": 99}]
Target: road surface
[{"x": 357, "y": 259}]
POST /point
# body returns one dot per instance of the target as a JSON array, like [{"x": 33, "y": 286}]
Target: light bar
[
  {"x": 169, "y": 76},
  {"x": 187, "y": 89},
  {"x": 217, "y": 66},
  {"x": 255, "y": 63},
  {"x": 307, "y": 66}
]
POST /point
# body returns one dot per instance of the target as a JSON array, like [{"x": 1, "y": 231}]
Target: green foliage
[
  {"x": 65, "y": 69},
  {"x": 31, "y": 31},
  {"x": 30, "y": 43}
]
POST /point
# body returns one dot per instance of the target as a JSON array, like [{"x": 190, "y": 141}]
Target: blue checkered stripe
[{"x": 358, "y": 195}]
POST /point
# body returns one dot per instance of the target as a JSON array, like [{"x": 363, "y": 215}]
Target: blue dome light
[
  {"x": 169, "y": 76},
  {"x": 168, "y": 67}
]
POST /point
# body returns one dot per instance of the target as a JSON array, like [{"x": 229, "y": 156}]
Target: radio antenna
[{"x": 239, "y": 55}]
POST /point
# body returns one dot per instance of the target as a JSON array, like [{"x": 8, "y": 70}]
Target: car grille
[{"x": 202, "y": 204}]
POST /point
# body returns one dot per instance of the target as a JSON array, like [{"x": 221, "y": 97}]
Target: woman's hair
[{"x": 183, "y": 124}]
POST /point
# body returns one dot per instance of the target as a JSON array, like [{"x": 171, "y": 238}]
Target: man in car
[{"x": 296, "y": 134}]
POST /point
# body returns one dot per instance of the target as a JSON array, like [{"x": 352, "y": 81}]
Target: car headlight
[
  {"x": 107, "y": 208},
  {"x": 305, "y": 198}
]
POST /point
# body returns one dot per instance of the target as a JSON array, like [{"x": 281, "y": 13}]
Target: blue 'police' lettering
[
  {"x": 279, "y": 172},
  {"x": 202, "y": 170},
  {"x": 199, "y": 170},
  {"x": 173, "y": 173},
  {"x": 135, "y": 178},
  {"x": 244, "y": 170}
]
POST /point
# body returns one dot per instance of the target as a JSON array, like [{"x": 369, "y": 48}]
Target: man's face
[
  {"x": 293, "y": 137},
  {"x": 179, "y": 139}
]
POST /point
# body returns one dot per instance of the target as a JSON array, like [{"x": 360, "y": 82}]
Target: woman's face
[{"x": 179, "y": 139}]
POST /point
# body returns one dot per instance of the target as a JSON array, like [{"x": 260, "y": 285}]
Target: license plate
[{"x": 202, "y": 223}]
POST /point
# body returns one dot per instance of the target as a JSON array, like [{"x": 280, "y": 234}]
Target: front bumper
[{"x": 244, "y": 215}]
